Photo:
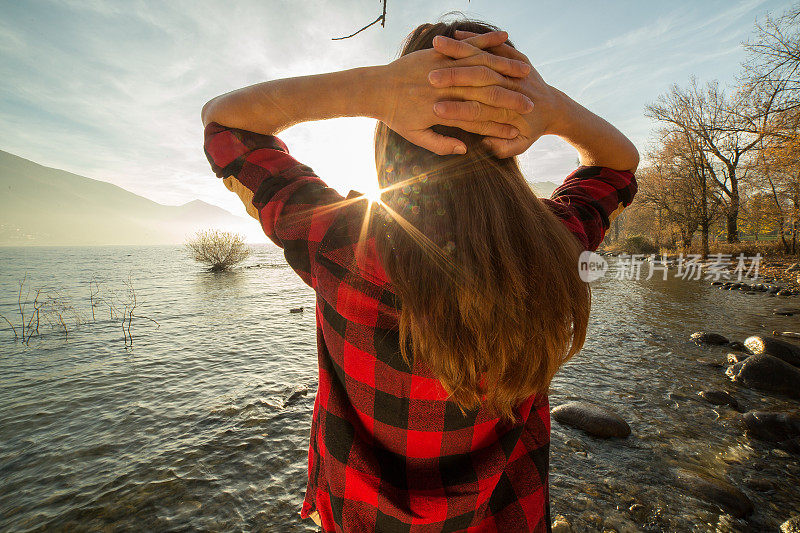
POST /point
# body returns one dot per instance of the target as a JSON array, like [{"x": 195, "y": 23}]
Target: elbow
[
  {"x": 634, "y": 164},
  {"x": 205, "y": 113}
]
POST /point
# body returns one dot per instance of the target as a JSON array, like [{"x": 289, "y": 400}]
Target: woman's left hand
[{"x": 408, "y": 107}]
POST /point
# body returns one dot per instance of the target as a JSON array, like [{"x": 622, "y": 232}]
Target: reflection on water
[{"x": 190, "y": 428}]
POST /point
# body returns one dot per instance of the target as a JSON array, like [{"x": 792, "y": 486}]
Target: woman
[{"x": 444, "y": 307}]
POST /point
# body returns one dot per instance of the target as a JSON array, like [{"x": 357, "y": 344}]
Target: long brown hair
[{"x": 492, "y": 300}]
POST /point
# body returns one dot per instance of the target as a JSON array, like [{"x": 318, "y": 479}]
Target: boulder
[
  {"x": 716, "y": 491},
  {"x": 738, "y": 346},
  {"x": 767, "y": 373},
  {"x": 775, "y": 347},
  {"x": 702, "y": 337},
  {"x": 592, "y": 419},
  {"x": 792, "y": 525},
  {"x": 780, "y": 428},
  {"x": 719, "y": 397}
]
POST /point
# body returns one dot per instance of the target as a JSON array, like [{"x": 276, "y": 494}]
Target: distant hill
[
  {"x": 544, "y": 189},
  {"x": 47, "y": 206}
]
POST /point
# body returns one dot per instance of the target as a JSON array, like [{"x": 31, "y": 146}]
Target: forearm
[
  {"x": 271, "y": 107},
  {"x": 598, "y": 142}
]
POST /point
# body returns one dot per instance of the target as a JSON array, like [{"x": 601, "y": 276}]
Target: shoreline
[{"x": 772, "y": 271}]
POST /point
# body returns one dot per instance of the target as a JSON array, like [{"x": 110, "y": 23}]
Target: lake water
[{"x": 189, "y": 428}]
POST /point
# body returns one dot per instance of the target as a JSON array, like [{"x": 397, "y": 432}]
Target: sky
[{"x": 112, "y": 90}]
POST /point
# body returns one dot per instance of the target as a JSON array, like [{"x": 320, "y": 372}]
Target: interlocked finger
[
  {"x": 492, "y": 95},
  {"x": 466, "y": 47},
  {"x": 502, "y": 49},
  {"x": 474, "y": 111},
  {"x": 470, "y": 55},
  {"x": 487, "y": 128}
]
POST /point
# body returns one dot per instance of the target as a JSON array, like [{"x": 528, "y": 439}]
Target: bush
[
  {"x": 635, "y": 244},
  {"x": 220, "y": 250}
]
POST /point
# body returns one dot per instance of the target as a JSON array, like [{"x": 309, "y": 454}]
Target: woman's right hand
[
  {"x": 408, "y": 101},
  {"x": 547, "y": 100}
]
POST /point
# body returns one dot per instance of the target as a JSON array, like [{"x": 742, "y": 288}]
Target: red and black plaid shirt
[{"x": 388, "y": 451}]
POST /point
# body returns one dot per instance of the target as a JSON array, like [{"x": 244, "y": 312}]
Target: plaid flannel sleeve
[
  {"x": 284, "y": 195},
  {"x": 589, "y": 200}
]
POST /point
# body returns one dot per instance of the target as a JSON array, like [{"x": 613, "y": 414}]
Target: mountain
[
  {"x": 46, "y": 206},
  {"x": 544, "y": 189}
]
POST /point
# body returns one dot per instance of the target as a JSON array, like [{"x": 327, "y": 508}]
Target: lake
[{"x": 202, "y": 424}]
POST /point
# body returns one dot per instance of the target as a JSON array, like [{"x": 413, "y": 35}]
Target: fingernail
[
  {"x": 434, "y": 77},
  {"x": 437, "y": 39},
  {"x": 460, "y": 150},
  {"x": 438, "y": 108}
]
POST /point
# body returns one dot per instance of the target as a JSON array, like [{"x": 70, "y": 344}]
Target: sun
[{"x": 373, "y": 193}]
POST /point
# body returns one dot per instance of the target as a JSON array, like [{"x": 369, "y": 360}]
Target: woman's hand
[
  {"x": 412, "y": 102},
  {"x": 597, "y": 141},
  {"x": 547, "y": 103}
]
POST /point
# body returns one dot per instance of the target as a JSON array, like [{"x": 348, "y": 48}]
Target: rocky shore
[{"x": 768, "y": 365}]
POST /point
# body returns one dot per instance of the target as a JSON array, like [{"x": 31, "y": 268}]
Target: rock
[
  {"x": 719, "y": 397},
  {"x": 761, "y": 484},
  {"x": 560, "y": 525},
  {"x": 638, "y": 512},
  {"x": 767, "y": 373},
  {"x": 792, "y": 525},
  {"x": 733, "y": 358},
  {"x": 775, "y": 347},
  {"x": 738, "y": 346},
  {"x": 713, "y": 363},
  {"x": 296, "y": 310},
  {"x": 592, "y": 419},
  {"x": 780, "y": 428},
  {"x": 702, "y": 337},
  {"x": 716, "y": 491},
  {"x": 677, "y": 396}
]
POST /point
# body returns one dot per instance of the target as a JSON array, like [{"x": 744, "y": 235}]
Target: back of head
[{"x": 492, "y": 301}]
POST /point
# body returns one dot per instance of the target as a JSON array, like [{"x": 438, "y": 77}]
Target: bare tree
[
  {"x": 220, "y": 250},
  {"x": 774, "y": 56}
]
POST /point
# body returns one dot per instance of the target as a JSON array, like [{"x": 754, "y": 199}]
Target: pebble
[{"x": 561, "y": 525}]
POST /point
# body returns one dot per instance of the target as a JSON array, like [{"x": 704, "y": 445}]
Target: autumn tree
[{"x": 728, "y": 129}]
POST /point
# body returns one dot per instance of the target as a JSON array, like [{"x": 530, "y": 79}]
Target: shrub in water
[{"x": 220, "y": 250}]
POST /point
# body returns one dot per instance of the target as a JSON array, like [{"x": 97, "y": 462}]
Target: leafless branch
[{"x": 381, "y": 18}]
